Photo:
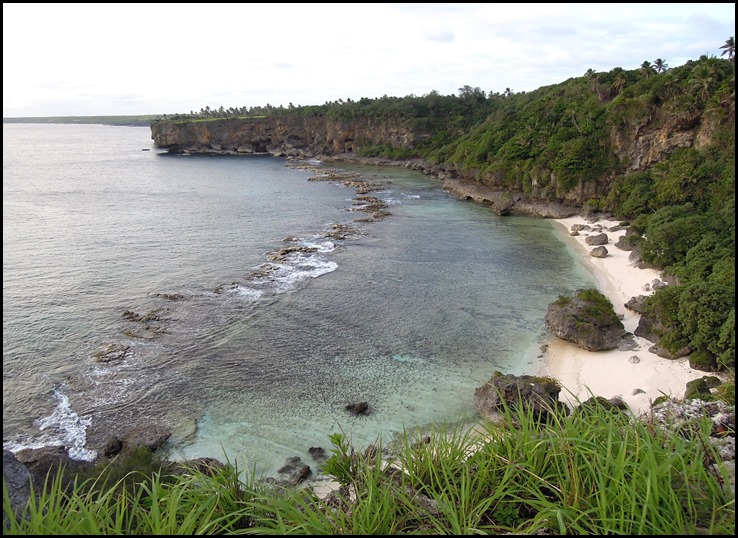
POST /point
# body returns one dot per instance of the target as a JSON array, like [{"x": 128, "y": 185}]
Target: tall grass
[{"x": 590, "y": 473}]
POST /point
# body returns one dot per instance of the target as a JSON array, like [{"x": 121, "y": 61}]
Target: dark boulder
[
  {"x": 592, "y": 405},
  {"x": 151, "y": 436},
  {"x": 599, "y": 252},
  {"x": 17, "y": 479},
  {"x": 587, "y": 319},
  {"x": 318, "y": 453},
  {"x": 296, "y": 471},
  {"x": 537, "y": 395},
  {"x": 359, "y": 408},
  {"x": 47, "y": 461},
  {"x": 697, "y": 389},
  {"x": 598, "y": 239},
  {"x": 637, "y": 304}
]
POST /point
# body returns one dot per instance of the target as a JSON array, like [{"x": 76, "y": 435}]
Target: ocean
[{"x": 212, "y": 295}]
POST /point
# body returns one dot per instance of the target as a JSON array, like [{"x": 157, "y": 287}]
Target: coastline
[{"x": 636, "y": 375}]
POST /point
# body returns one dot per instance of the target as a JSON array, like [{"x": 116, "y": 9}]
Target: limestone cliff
[
  {"x": 295, "y": 136},
  {"x": 640, "y": 144}
]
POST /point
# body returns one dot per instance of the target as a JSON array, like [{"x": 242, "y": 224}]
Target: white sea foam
[
  {"x": 295, "y": 268},
  {"x": 326, "y": 247},
  {"x": 319, "y": 243},
  {"x": 63, "y": 427},
  {"x": 301, "y": 268},
  {"x": 245, "y": 292}
]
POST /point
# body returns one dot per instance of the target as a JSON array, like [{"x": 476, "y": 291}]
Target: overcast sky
[{"x": 123, "y": 59}]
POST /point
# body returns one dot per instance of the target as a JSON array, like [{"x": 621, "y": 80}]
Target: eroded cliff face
[
  {"x": 637, "y": 147},
  {"x": 642, "y": 145},
  {"x": 280, "y": 136}
]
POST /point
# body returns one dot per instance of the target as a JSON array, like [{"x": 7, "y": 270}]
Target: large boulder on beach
[
  {"x": 503, "y": 392},
  {"x": 294, "y": 470},
  {"x": 598, "y": 239},
  {"x": 637, "y": 304},
  {"x": 599, "y": 252},
  {"x": 586, "y": 319},
  {"x": 629, "y": 240}
]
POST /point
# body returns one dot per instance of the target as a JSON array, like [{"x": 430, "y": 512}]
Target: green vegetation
[
  {"x": 598, "y": 306},
  {"x": 589, "y": 473},
  {"x": 596, "y": 311}
]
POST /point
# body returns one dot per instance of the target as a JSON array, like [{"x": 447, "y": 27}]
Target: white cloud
[
  {"x": 441, "y": 35},
  {"x": 93, "y": 59}
]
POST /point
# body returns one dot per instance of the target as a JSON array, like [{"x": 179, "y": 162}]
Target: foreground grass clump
[{"x": 593, "y": 473}]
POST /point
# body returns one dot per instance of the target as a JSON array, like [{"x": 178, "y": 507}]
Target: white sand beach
[{"x": 584, "y": 374}]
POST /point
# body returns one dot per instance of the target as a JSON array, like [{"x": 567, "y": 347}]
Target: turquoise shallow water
[{"x": 410, "y": 313}]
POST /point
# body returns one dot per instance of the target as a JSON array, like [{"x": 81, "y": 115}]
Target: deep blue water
[{"x": 410, "y": 313}]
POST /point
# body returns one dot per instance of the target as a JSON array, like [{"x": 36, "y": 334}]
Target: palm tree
[
  {"x": 646, "y": 69},
  {"x": 669, "y": 85},
  {"x": 660, "y": 65},
  {"x": 594, "y": 78},
  {"x": 703, "y": 79},
  {"x": 620, "y": 81},
  {"x": 729, "y": 48}
]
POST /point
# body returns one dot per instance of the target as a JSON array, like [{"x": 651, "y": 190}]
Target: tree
[
  {"x": 620, "y": 80},
  {"x": 703, "y": 78},
  {"x": 669, "y": 85},
  {"x": 594, "y": 78},
  {"x": 660, "y": 65},
  {"x": 701, "y": 81},
  {"x": 646, "y": 69},
  {"x": 729, "y": 48},
  {"x": 468, "y": 93}
]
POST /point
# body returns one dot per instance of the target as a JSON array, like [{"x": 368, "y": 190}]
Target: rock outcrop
[
  {"x": 18, "y": 480},
  {"x": 587, "y": 319},
  {"x": 284, "y": 136},
  {"x": 529, "y": 394}
]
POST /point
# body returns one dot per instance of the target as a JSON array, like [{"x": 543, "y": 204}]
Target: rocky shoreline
[{"x": 501, "y": 201}]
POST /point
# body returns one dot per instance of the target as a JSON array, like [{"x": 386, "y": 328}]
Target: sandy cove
[{"x": 583, "y": 374}]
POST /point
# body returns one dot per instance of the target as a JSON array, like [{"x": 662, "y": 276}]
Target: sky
[{"x": 131, "y": 59}]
